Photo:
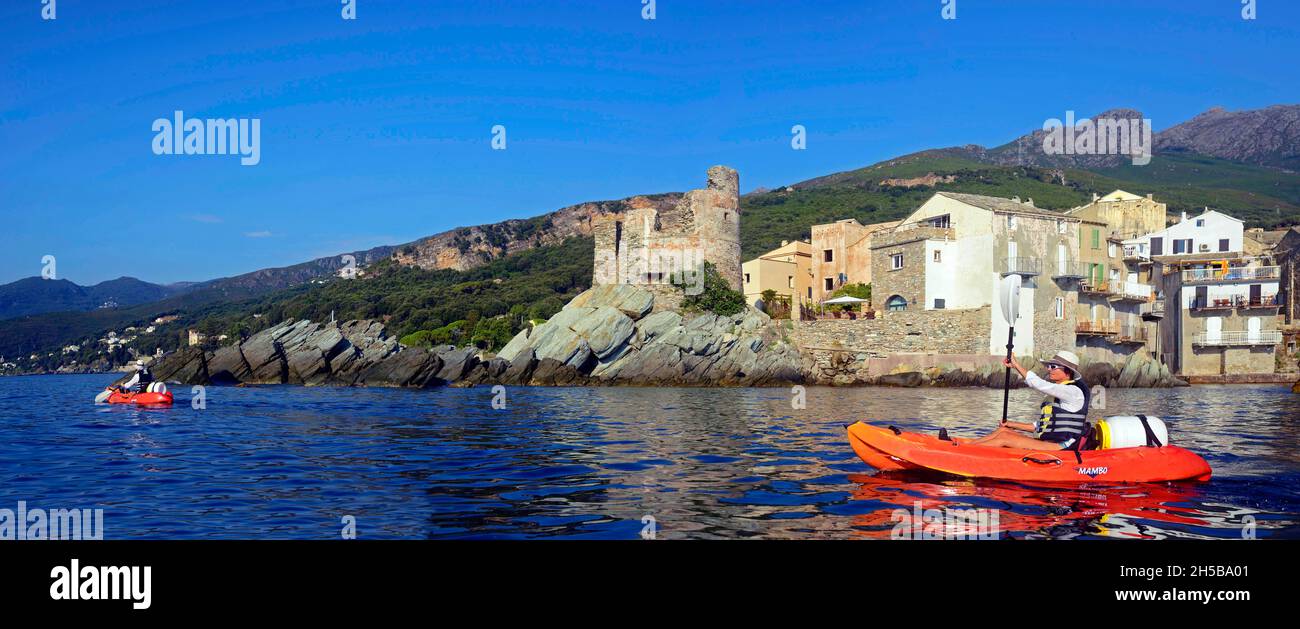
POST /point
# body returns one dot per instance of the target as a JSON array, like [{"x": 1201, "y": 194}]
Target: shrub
[{"x": 717, "y": 296}]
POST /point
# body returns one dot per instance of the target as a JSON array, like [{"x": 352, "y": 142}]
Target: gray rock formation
[{"x": 607, "y": 336}]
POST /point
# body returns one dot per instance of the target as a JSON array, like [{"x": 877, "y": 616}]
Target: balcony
[
  {"x": 1152, "y": 310},
  {"x": 1236, "y": 337},
  {"x": 1234, "y": 302},
  {"x": 1267, "y": 301},
  {"x": 1097, "y": 328},
  {"x": 1136, "y": 253},
  {"x": 1132, "y": 291},
  {"x": 1233, "y": 274},
  {"x": 1069, "y": 271},
  {"x": 1026, "y": 267},
  {"x": 1131, "y": 334},
  {"x": 1096, "y": 289}
]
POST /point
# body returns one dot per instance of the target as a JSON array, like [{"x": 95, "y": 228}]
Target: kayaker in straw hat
[
  {"x": 1064, "y": 414},
  {"x": 140, "y": 381}
]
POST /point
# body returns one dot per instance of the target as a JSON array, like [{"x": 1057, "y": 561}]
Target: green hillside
[{"x": 1260, "y": 196}]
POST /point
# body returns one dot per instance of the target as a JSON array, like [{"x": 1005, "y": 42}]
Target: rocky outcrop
[
  {"x": 604, "y": 336},
  {"x": 607, "y": 336}
]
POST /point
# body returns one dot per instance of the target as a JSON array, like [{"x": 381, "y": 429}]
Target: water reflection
[{"x": 288, "y": 462}]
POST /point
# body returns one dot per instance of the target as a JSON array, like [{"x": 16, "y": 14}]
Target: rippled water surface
[{"x": 290, "y": 462}]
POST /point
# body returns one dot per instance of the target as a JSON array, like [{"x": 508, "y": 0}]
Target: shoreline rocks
[{"x": 610, "y": 335}]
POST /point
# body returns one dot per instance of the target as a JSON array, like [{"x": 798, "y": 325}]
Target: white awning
[{"x": 845, "y": 300}]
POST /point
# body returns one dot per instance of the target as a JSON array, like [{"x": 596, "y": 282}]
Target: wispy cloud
[
  {"x": 205, "y": 218},
  {"x": 261, "y": 234}
]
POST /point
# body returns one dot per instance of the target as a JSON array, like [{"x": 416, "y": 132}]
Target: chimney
[
  {"x": 1095, "y": 197},
  {"x": 1150, "y": 197},
  {"x": 1030, "y": 202},
  {"x": 1184, "y": 217},
  {"x": 785, "y": 242},
  {"x": 1016, "y": 198}
]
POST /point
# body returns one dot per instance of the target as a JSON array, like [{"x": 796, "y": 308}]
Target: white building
[{"x": 1211, "y": 232}]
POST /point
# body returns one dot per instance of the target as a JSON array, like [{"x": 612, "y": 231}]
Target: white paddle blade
[
  {"x": 1009, "y": 298},
  {"x": 103, "y": 396}
]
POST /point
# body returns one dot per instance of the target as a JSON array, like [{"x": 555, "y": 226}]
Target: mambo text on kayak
[
  {"x": 211, "y": 136},
  {"x": 40, "y": 524},
  {"x": 102, "y": 583}
]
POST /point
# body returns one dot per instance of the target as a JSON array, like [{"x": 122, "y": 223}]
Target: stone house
[
  {"x": 1117, "y": 292},
  {"x": 786, "y": 270},
  {"x": 646, "y": 246},
  {"x": 952, "y": 252},
  {"x": 1287, "y": 253},
  {"x": 841, "y": 254}
]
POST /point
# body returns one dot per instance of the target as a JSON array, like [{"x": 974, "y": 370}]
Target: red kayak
[
  {"x": 885, "y": 449},
  {"x": 119, "y": 397}
]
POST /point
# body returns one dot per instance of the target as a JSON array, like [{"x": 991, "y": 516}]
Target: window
[
  {"x": 746, "y": 278},
  {"x": 1060, "y": 307},
  {"x": 1178, "y": 247},
  {"x": 1096, "y": 238},
  {"x": 938, "y": 255},
  {"x": 896, "y": 261},
  {"x": 1223, "y": 244},
  {"x": 1110, "y": 249},
  {"x": 1011, "y": 222},
  {"x": 828, "y": 256},
  {"x": 939, "y": 303},
  {"x": 1157, "y": 246},
  {"x": 809, "y": 292},
  {"x": 896, "y": 303},
  {"x": 829, "y": 283},
  {"x": 789, "y": 281},
  {"x": 943, "y": 222},
  {"x": 1200, "y": 222},
  {"x": 1060, "y": 227}
]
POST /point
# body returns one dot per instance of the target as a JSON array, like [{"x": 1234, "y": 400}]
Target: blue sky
[{"x": 377, "y": 130}]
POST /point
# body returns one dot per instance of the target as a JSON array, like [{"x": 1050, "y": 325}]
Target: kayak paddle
[{"x": 1009, "y": 299}]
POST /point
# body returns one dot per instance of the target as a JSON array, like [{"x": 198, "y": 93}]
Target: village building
[
  {"x": 787, "y": 270},
  {"x": 1286, "y": 251},
  {"x": 647, "y": 247},
  {"x": 1220, "y": 303},
  {"x": 1117, "y": 293},
  {"x": 951, "y": 253},
  {"x": 841, "y": 255}
]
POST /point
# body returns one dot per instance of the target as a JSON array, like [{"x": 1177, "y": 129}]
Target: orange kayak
[
  {"x": 140, "y": 398},
  {"x": 884, "y": 449}
]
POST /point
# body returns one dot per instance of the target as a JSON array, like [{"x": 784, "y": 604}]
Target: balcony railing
[
  {"x": 1022, "y": 266},
  {"x": 1238, "y": 337},
  {"x": 1099, "y": 328},
  {"x": 1135, "y": 252},
  {"x": 1234, "y": 274},
  {"x": 1154, "y": 309},
  {"x": 1068, "y": 270},
  {"x": 1233, "y": 302},
  {"x": 1093, "y": 287},
  {"x": 1132, "y": 291},
  {"x": 1131, "y": 334}
]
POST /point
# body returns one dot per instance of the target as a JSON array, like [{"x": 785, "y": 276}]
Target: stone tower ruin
[{"x": 645, "y": 246}]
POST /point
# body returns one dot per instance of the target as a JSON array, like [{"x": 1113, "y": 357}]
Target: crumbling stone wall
[
  {"x": 704, "y": 226},
  {"x": 907, "y": 331}
]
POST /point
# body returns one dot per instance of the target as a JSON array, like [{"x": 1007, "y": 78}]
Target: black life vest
[
  {"x": 145, "y": 376},
  {"x": 1059, "y": 425}
]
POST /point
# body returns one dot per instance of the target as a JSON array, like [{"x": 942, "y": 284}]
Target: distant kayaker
[
  {"x": 141, "y": 380},
  {"x": 1064, "y": 414}
]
